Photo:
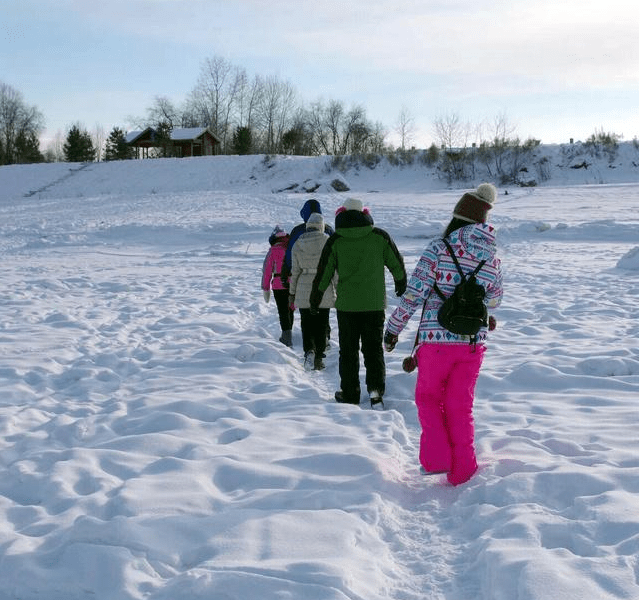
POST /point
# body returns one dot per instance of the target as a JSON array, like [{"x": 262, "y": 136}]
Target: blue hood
[{"x": 310, "y": 207}]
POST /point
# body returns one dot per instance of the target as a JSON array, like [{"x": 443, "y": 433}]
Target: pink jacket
[{"x": 273, "y": 265}]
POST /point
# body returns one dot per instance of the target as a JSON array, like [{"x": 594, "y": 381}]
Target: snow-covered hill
[{"x": 563, "y": 165}]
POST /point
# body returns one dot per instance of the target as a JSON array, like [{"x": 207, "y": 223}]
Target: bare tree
[
  {"x": 498, "y": 148},
  {"x": 333, "y": 120},
  {"x": 376, "y": 140},
  {"x": 316, "y": 126},
  {"x": 163, "y": 111},
  {"x": 405, "y": 127},
  {"x": 287, "y": 111},
  {"x": 276, "y": 111},
  {"x": 212, "y": 98},
  {"x": 355, "y": 131},
  {"x": 252, "y": 99},
  {"x": 99, "y": 138},
  {"x": 453, "y": 136},
  {"x": 17, "y": 121},
  {"x": 232, "y": 93},
  {"x": 333, "y": 130},
  {"x": 450, "y": 131},
  {"x": 54, "y": 151},
  {"x": 501, "y": 129}
]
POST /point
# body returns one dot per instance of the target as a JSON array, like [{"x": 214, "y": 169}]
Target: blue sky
[{"x": 555, "y": 68}]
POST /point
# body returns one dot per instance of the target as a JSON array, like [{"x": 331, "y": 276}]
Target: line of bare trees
[
  {"x": 265, "y": 115},
  {"x": 492, "y": 145}
]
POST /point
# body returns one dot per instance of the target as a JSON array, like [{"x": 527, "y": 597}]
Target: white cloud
[{"x": 571, "y": 43}]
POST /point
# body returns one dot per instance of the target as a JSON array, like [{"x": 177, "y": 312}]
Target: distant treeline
[{"x": 264, "y": 115}]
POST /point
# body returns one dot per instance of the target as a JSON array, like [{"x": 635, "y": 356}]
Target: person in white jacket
[{"x": 304, "y": 262}]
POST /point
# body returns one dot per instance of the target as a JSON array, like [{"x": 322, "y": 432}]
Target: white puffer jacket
[{"x": 304, "y": 262}]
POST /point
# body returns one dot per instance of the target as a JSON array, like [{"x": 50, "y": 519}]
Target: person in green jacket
[{"x": 359, "y": 252}]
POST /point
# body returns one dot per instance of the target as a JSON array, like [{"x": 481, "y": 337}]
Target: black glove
[
  {"x": 401, "y": 286},
  {"x": 314, "y": 301},
  {"x": 390, "y": 341}
]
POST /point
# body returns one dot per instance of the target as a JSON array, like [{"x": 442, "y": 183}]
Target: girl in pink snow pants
[{"x": 449, "y": 364}]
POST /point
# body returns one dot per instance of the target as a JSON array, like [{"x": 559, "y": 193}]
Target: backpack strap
[
  {"x": 457, "y": 264},
  {"x": 455, "y": 260}
]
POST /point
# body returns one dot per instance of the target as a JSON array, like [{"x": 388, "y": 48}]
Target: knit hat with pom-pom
[
  {"x": 474, "y": 206},
  {"x": 353, "y": 204},
  {"x": 277, "y": 234}
]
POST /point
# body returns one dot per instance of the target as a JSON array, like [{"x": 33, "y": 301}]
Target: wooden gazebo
[{"x": 183, "y": 142}]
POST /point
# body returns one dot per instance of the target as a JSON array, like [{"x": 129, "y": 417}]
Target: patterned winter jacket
[
  {"x": 472, "y": 244},
  {"x": 305, "y": 256},
  {"x": 273, "y": 264}
]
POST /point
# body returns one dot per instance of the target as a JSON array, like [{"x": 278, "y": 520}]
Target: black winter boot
[{"x": 285, "y": 338}]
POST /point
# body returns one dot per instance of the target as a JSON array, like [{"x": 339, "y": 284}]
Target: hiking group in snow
[{"x": 456, "y": 282}]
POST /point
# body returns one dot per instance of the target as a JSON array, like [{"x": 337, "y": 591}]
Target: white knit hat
[
  {"x": 474, "y": 206},
  {"x": 353, "y": 204},
  {"x": 315, "y": 221}
]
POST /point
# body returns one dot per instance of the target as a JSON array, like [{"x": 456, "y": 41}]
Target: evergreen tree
[
  {"x": 163, "y": 137},
  {"x": 116, "y": 147},
  {"x": 293, "y": 140},
  {"x": 79, "y": 146},
  {"x": 27, "y": 148},
  {"x": 242, "y": 140}
]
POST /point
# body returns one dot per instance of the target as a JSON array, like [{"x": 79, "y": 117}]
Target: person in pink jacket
[
  {"x": 271, "y": 281},
  {"x": 449, "y": 364}
]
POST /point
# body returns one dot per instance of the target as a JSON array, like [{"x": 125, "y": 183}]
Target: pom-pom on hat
[
  {"x": 315, "y": 221},
  {"x": 277, "y": 234},
  {"x": 278, "y": 231},
  {"x": 474, "y": 206}
]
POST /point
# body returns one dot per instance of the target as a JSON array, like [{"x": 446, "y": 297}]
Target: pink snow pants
[{"x": 447, "y": 375}]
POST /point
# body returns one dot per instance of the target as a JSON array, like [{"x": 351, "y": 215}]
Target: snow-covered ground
[{"x": 158, "y": 442}]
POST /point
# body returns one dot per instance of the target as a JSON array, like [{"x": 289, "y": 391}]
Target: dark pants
[
  {"x": 284, "y": 312},
  {"x": 354, "y": 328},
  {"x": 314, "y": 330}
]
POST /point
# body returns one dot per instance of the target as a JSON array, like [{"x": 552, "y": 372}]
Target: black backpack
[{"x": 464, "y": 312}]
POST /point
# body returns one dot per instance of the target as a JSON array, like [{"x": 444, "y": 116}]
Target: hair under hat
[{"x": 474, "y": 206}]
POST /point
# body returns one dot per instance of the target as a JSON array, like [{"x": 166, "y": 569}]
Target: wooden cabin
[{"x": 183, "y": 142}]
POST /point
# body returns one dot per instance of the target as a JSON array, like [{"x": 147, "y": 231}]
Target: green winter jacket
[{"x": 359, "y": 252}]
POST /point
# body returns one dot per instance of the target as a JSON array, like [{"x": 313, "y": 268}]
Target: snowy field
[{"x": 157, "y": 441}]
